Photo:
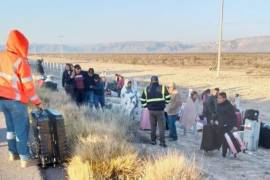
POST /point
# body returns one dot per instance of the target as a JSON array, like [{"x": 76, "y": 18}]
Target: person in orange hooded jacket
[{"x": 16, "y": 89}]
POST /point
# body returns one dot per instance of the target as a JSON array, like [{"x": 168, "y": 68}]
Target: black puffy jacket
[{"x": 226, "y": 115}]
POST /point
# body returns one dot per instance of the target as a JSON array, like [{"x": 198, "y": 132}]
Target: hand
[
  {"x": 39, "y": 107},
  {"x": 212, "y": 122},
  {"x": 235, "y": 129},
  {"x": 216, "y": 122}
]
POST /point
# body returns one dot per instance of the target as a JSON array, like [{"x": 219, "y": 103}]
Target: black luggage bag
[
  {"x": 211, "y": 138},
  {"x": 49, "y": 136},
  {"x": 264, "y": 140},
  {"x": 251, "y": 114}
]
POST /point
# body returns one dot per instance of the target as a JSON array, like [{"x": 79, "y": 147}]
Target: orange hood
[{"x": 17, "y": 44}]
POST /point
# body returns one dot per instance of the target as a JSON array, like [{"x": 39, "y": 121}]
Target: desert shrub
[
  {"x": 171, "y": 165},
  {"x": 108, "y": 157},
  {"x": 100, "y": 145},
  {"x": 79, "y": 170}
]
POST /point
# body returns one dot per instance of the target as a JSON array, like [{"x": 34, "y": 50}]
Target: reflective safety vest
[
  {"x": 16, "y": 82},
  {"x": 165, "y": 98}
]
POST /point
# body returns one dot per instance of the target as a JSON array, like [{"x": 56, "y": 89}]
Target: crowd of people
[
  {"x": 164, "y": 105},
  {"x": 88, "y": 87},
  {"x": 161, "y": 104}
]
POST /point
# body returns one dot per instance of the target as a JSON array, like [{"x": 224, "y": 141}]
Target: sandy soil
[{"x": 213, "y": 166}]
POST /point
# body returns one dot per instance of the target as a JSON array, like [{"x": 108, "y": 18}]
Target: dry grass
[
  {"x": 100, "y": 148},
  {"x": 171, "y": 166},
  {"x": 79, "y": 170}
]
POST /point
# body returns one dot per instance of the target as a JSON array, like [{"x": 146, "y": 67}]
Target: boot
[
  {"x": 13, "y": 157},
  {"x": 28, "y": 163}
]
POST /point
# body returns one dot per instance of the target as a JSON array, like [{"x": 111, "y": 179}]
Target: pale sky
[{"x": 101, "y": 21}]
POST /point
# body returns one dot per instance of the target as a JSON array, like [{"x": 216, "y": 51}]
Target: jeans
[
  {"x": 69, "y": 89},
  {"x": 17, "y": 122},
  {"x": 172, "y": 127},
  {"x": 99, "y": 100},
  {"x": 157, "y": 118},
  {"x": 194, "y": 129},
  {"x": 79, "y": 96},
  {"x": 90, "y": 98}
]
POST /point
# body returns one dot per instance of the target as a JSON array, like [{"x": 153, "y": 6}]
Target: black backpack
[{"x": 251, "y": 114}]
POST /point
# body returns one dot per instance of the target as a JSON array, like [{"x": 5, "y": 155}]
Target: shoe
[
  {"x": 153, "y": 142},
  {"x": 172, "y": 139},
  {"x": 28, "y": 163},
  {"x": 163, "y": 145},
  {"x": 223, "y": 155},
  {"x": 13, "y": 157}
]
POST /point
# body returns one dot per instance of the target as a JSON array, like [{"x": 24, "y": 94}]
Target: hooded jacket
[{"x": 16, "y": 82}]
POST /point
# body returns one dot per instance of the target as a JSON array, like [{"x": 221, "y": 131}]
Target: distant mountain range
[{"x": 251, "y": 44}]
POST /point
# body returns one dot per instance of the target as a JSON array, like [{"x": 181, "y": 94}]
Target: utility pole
[{"x": 220, "y": 38}]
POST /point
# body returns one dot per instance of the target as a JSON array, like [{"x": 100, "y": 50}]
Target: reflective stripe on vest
[
  {"x": 27, "y": 79},
  {"x": 155, "y": 99},
  {"x": 16, "y": 64},
  {"x": 33, "y": 98},
  {"x": 13, "y": 79}
]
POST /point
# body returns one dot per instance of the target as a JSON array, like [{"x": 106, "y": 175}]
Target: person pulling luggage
[
  {"x": 155, "y": 97},
  {"x": 16, "y": 89},
  {"x": 225, "y": 119}
]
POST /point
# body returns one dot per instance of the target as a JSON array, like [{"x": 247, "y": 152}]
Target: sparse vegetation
[
  {"x": 171, "y": 165},
  {"x": 100, "y": 148},
  {"x": 188, "y": 59}
]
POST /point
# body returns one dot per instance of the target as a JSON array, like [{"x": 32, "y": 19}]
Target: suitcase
[
  {"x": 210, "y": 138},
  {"x": 239, "y": 120},
  {"x": 49, "y": 136},
  {"x": 250, "y": 114},
  {"x": 264, "y": 140},
  {"x": 145, "y": 120},
  {"x": 235, "y": 142},
  {"x": 201, "y": 121},
  {"x": 50, "y": 85},
  {"x": 251, "y": 134}
]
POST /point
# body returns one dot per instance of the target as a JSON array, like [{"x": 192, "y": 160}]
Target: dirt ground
[{"x": 11, "y": 170}]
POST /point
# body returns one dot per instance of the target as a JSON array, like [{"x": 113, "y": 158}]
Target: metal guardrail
[{"x": 50, "y": 68}]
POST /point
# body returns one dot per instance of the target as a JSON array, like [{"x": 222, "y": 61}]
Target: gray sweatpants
[{"x": 157, "y": 118}]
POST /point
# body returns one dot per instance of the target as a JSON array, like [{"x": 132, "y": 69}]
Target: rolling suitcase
[
  {"x": 250, "y": 114},
  {"x": 58, "y": 134},
  {"x": 239, "y": 120},
  {"x": 210, "y": 138},
  {"x": 49, "y": 136},
  {"x": 235, "y": 143},
  {"x": 264, "y": 140},
  {"x": 251, "y": 134},
  {"x": 145, "y": 120}
]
